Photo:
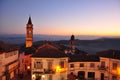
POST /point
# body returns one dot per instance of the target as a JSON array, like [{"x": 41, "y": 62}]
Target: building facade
[
  {"x": 90, "y": 67},
  {"x": 22, "y": 68},
  {"x": 110, "y": 64},
  {"x": 8, "y": 61},
  {"x": 84, "y": 67},
  {"x": 49, "y": 63}
]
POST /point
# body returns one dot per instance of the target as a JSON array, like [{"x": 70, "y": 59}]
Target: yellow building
[
  {"x": 49, "y": 63},
  {"x": 102, "y": 66},
  {"x": 84, "y": 66},
  {"x": 110, "y": 64},
  {"x": 8, "y": 61}
]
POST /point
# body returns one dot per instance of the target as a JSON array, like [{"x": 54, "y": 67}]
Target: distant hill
[{"x": 92, "y": 46}]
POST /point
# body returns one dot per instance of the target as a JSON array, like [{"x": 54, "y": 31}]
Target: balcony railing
[
  {"x": 49, "y": 71},
  {"x": 100, "y": 67}
]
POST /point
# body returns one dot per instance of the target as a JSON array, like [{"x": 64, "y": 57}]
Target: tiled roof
[
  {"x": 83, "y": 58},
  {"x": 110, "y": 54},
  {"x": 6, "y": 47},
  {"x": 46, "y": 51},
  {"x": 34, "y": 48}
]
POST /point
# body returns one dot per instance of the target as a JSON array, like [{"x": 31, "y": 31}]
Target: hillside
[
  {"x": 90, "y": 46},
  {"x": 93, "y": 46}
]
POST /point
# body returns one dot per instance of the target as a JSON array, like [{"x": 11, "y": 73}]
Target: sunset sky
[{"x": 61, "y": 17}]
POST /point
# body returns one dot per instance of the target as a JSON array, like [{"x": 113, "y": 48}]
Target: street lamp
[
  {"x": 33, "y": 77},
  {"x": 28, "y": 67},
  {"x": 118, "y": 71},
  {"x": 58, "y": 69},
  {"x": 43, "y": 77}
]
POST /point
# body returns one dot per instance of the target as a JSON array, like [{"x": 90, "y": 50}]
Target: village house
[
  {"x": 8, "y": 61},
  {"x": 49, "y": 63}
]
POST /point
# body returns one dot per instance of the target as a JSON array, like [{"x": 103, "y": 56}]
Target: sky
[{"x": 61, "y": 17}]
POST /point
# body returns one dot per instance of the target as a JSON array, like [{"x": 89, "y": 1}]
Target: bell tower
[
  {"x": 72, "y": 43},
  {"x": 29, "y": 33}
]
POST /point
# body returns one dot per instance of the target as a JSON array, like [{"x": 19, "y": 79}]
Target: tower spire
[
  {"x": 29, "y": 21},
  {"x": 29, "y": 33}
]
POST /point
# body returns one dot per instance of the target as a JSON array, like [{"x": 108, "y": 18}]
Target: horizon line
[{"x": 68, "y": 35}]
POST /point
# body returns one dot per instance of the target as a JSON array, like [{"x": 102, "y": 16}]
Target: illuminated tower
[
  {"x": 29, "y": 33},
  {"x": 72, "y": 43}
]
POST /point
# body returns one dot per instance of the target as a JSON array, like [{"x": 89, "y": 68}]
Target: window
[
  {"x": 91, "y": 75},
  {"x": 50, "y": 65},
  {"x": 92, "y": 65},
  {"x": 71, "y": 65},
  {"x": 62, "y": 64},
  {"x": 114, "y": 65},
  {"x": 6, "y": 55},
  {"x": 102, "y": 63},
  {"x": 114, "y": 77},
  {"x": 81, "y": 65},
  {"x": 38, "y": 65},
  {"x": 102, "y": 76}
]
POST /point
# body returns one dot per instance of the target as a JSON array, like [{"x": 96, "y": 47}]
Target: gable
[{"x": 48, "y": 45}]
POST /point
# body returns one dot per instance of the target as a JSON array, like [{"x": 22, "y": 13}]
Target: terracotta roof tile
[
  {"x": 84, "y": 58},
  {"x": 47, "y": 51},
  {"x": 110, "y": 54}
]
